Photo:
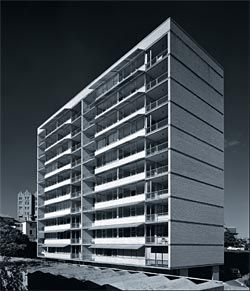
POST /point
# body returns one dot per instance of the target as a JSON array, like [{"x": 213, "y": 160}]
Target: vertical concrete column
[{"x": 215, "y": 273}]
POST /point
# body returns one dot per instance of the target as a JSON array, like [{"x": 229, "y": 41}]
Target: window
[{"x": 126, "y": 232}]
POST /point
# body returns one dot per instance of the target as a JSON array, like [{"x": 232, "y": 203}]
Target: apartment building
[
  {"x": 25, "y": 206},
  {"x": 131, "y": 170}
]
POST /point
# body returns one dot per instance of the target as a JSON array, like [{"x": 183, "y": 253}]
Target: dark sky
[{"x": 50, "y": 51}]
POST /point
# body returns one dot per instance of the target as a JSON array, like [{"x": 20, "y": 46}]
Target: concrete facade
[{"x": 131, "y": 170}]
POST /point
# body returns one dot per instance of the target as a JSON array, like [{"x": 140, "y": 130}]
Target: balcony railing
[
  {"x": 76, "y": 178},
  {"x": 75, "y": 147},
  {"x": 136, "y": 108},
  {"x": 59, "y": 180},
  {"x": 151, "y": 262},
  {"x": 75, "y": 116},
  {"x": 157, "y": 103},
  {"x": 88, "y": 107},
  {"x": 156, "y": 240},
  {"x": 51, "y": 197},
  {"x": 157, "y": 125},
  {"x": 130, "y": 131},
  {"x": 157, "y": 58},
  {"x": 156, "y": 81},
  {"x": 159, "y": 194},
  {"x": 76, "y": 255},
  {"x": 157, "y": 171},
  {"x": 75, "y": 209},
  {"x": 123, "y": 154},
  {"x": 76, "y": 162},
  {"x": 157, "y": 148},
  {"x": 56, "y": 126},
  {"x": 114, "y": 177},
  {"x": 75, "y": 240},
  {"x": 75, "y": 194},
  {"x": 76, "y": 131},
  {"x": 55, "y": 167},
  {"x": 119, "y": 99},
  {"x": 121, "y": 76},
  {"x": 155, "y": 217}
]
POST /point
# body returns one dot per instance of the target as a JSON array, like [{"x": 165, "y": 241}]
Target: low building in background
[{"x": 29, "y": 228}]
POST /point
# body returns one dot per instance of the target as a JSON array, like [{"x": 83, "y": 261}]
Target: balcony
[
  {"x": 76, "y": 178},
  {"x": 59, "y": 242},
  {"x": 57, "y": 184},
  {"x": 75, "y": 209},
  {"x": 156, "y": 81},
  {"x": 139, "y": 261},
  {"x": 88, "y": 157},
  {"x": 157, "y": 171},
  {"x": 135, "y": 113},
  {"x": 76, "y": 162},
  {"x": 132, "y": 135},
  {"x": 57, "y": 199},
  {"x": 133, "y": 176},
  {"x": 58, "y": 125},
  {"x": 75, "y": 132},
  {"x": 76, "y": 256},
  {"x": 157, "y": 195},
  {"x": 58, "y": 255},
  {"x": 157, "y": 149},
  {"x": 75, "y": 194},
  {"x": 57, "y": 213},
  {"x": 58, "y": 141},
  {"x": 75, "y": 116},
  {"x": 120, "y": 220},
  {"x": 157, "y": 59},
  {"x": 158, "y": 125},
  {"x": 156, "y": 240},
  {"x": 120, "y": 240},
  {"x": 76, "y": 147},
  {"x": 160, "y": 263},
  {"x": 120, "y": 79},
  {"x": 75, "y": 225},
  {"x": 120, "y": 202},
  {"x": 153, "y": 105},
  {"x": 57, "y": 227},
  {"x": 157, "y": 217},
  {"x": 89, "y": 107},
  {"x": 58, "y": 155},
  {"x": 57, "y": 169},
  {"x": 76, "y": 240},
  {"x": 120, "y": 162}
]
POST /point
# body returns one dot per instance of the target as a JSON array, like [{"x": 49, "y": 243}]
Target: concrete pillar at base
[
  {"x": 215, "y": 273},
  {"x": 183, "y": 272}
]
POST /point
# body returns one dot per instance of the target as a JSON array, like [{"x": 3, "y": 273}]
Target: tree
[
  {"x": 13, "y": 243},
  {"x": 11, "y": 275},
  {"x": 229, "y": 239}
]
